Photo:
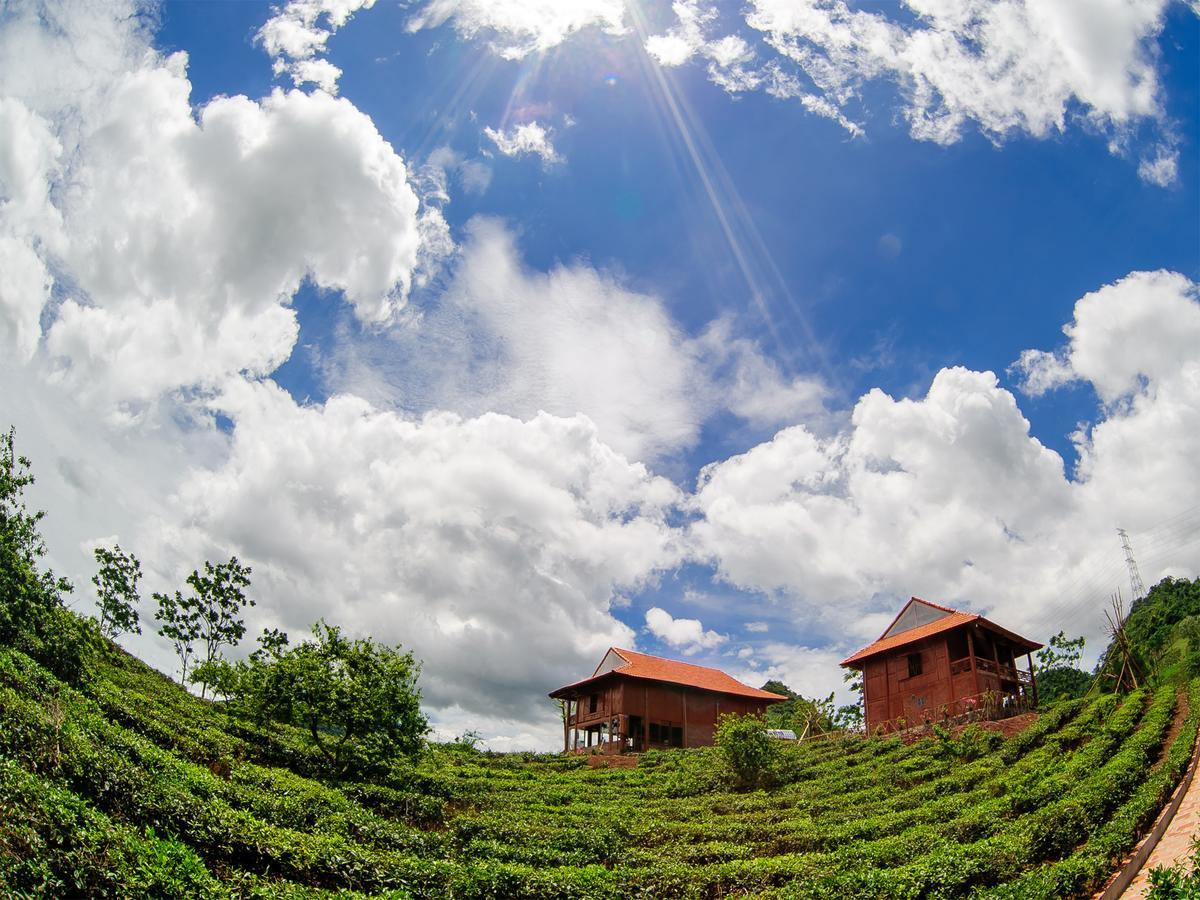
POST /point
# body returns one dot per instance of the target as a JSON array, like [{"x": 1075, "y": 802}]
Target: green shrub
[{"x": 747, "y": 750}]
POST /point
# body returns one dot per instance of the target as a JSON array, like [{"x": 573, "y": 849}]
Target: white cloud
[
  {"x": 1162, "y": 169},
  {"x": 178, "y": 235},
  {"x": 950, "y": 497},
  {"x": 1128, "y": 338},
  {"x": 572, "y": 340},
  {"x": 811, "y": 671},
  {"x": 1007, "y": 66},
  {"x": 757, "y": 627},
  {"x": 686, "y": 635},
  {"x": 752, "y": 386},
  {"x": 492, "y": 547},
  {"x": 298, "y": 33},
  {"x": 529, "y": 138},
  {"x": 521, "y": 27}
]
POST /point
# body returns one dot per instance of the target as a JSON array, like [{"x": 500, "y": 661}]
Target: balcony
[{"x": 1005, "y": 673}]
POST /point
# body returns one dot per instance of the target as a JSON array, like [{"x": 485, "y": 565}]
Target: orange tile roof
[
  {"x": 946, "y": 623},
  {"x": 955, "y": 619},
  {"x": 654, "y": 668}
]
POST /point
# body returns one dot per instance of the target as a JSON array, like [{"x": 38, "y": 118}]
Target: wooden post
[
  {"x": 685, "y": 693},
  {"x": 645, "y": 717},
  {"x": 1032, "y": 678}
]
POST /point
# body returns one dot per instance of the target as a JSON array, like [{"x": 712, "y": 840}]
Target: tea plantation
[{"x": 130, "y": 786}]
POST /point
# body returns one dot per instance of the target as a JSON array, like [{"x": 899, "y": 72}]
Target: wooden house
[
  {"x": 933, "y": 662},
  {"x": 634, "y": 702}
]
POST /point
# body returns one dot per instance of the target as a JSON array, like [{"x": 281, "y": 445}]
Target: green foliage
[
  {"x": 357, "y": 700},
  {"x": 1164, "y": 643},
  {"x": 117, "y": 591},
  {"x": 1062, "y": 683},
  {"x": 1060, "y": 652},
  {"x": 748, "y": 752},
  {"x": 1058, "y": 675},
  {"x": 1176, "y": 882},
  {"x": 210, "y": 613},
  {"x": 971, "y": 743},
  {"x": 32, "y": 615},
  {"x": 137, "y": 776},
  {"x": 307, "y": 782}
]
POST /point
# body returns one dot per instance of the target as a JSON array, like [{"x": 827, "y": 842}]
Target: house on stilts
[
  {"x": 934, "y": 662},
  {"x": 635, "y": 702}
]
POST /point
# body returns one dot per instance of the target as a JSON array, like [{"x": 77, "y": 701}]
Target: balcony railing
[{"x": 1007, "y": 673}]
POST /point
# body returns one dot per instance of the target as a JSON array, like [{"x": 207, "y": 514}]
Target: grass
[{"x": 132, "y": 787}]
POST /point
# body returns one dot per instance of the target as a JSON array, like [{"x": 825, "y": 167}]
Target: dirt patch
[
  {"x": 1181, "y": 714},
  {"x": 1005, "y": 727}
]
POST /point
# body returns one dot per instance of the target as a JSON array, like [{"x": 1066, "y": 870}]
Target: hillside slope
[{"x": 130, "y": 786}]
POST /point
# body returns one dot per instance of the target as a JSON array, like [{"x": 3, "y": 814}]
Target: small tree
[
  {"x": 358, "y": 700},
  {"x": 117, "y": 591},
  {"x": 210, "y": 614},
  {"x": 180, "y": 625},
  {"x": 748, "y": 751},
  {"x": 222, "y": 600},
  {"x": 1061, "y": 653}
]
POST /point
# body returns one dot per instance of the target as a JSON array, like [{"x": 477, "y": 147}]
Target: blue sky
[{"x": 753, "y": 267}]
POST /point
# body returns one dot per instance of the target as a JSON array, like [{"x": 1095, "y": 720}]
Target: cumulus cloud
[
  {"x": 520, "y": 140},
  {"x": 520, "y": 27},
  {"x": 1127, "y": 338},
  {"x": 296, "y": 35},
  {"x": 950, "y": 496},
  {"x": 492, "y": 547},
  {"x": 686, "y": 635},
  {"x": 237, "y": 203}
]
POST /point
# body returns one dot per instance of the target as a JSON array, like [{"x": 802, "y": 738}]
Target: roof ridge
[{"x": 677, "y": 662}]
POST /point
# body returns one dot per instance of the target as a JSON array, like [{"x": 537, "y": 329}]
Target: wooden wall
[
  {"x": 891, "y": 693},
  {"x": 692, "y": 710}
]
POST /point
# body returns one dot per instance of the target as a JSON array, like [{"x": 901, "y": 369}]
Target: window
[
  {"x": 666, "y": 733},
  {"x": 593, "y": 699},
  {"x": 914, "y": 665}
]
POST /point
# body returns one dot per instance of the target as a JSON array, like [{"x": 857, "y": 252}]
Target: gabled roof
[
  {"x": 933, "y": 619},
  {"x": 654, "y": 668}
]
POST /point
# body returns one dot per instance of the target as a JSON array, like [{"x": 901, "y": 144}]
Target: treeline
[
  {"x": 358, "y": 701},
  {"x": 1160, "y": 644}
]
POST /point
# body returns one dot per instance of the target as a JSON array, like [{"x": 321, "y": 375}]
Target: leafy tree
[
  {"x": 32, "y": 615},
  {"x": 358, "y": 700},
  {"x": 211, "y": 614},
  {"x": 1058, "y": 674},
  {"x": 180, "y": 625},
  {"x": 747, "y": 750},
  {"x": 117, "y": 591},
  {"x": 1061, "y": 652}
]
